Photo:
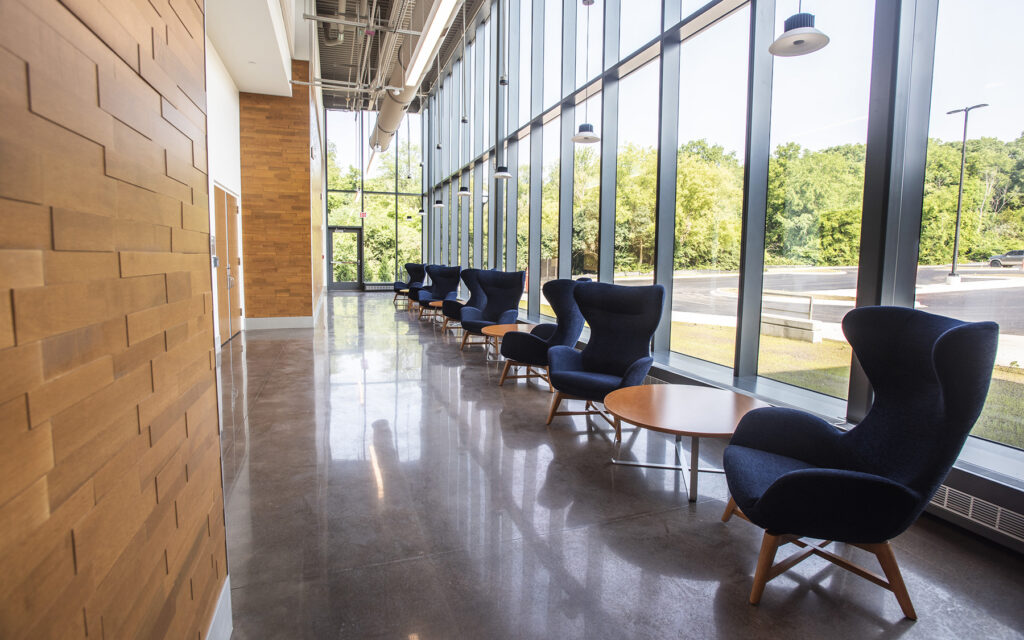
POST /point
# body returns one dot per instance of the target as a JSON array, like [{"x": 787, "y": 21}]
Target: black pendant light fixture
[
  {"x": 438, "y": 204},
  {"x": 501, "y": 172},
  {"x": 799, "y": 36},
  {"x": 585, "y": 134},
  {"x": 464, "y": 191}
]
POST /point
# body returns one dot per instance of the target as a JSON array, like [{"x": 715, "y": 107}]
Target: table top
[
  {"x": 500, "y": 330},
  {"x": 436, "y": 303},
  {"x": 681, "y": 409}
]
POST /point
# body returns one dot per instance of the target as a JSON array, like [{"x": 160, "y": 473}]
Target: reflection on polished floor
[{"x": 380, "y": 485}]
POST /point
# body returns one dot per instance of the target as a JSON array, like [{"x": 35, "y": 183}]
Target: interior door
[
  {"x": 346, "y": 257},
  {"x": 232, "y": 215},
  {"x": 221, "y": 260}
]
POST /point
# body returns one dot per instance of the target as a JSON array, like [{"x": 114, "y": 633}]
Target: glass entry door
[{"x": 345, "y": 253}]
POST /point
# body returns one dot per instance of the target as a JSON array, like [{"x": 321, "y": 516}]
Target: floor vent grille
[{"x": 985, "y": 513}]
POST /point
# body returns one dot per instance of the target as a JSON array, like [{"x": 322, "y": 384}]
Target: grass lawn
[{"x": 825, "y": 367}]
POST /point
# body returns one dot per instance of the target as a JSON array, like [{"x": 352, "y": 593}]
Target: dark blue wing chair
[
  {"x": 452, "y": 309},
  {"x": 797, "y": 476},
  {"x": 522, "y": 349},
  {"x": 502, "y": 290},
  {"x": 416, "y": 275},
  {"x": 416, "y": 287},
  {"x": 444, "y": 285},
  {"x": 622, "y": 322}
]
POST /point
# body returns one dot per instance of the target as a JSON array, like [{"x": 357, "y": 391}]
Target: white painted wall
[{"x": 223, "y": 144}]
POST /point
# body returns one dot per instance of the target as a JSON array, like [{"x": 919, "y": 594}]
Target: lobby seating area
[{"x": 379, "y": 482}]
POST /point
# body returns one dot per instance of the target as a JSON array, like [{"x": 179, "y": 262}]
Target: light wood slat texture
[
  {"x": 111, "y": 510},
  {"x": 276, "y": 231}
]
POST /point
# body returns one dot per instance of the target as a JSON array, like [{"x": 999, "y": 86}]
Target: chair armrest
[
  {"x": 790, "y": 433},
  {"x": 562, "y": 358},
  {"x": 418, "y": 284},
  {"x": 636, "y": 372},
  {"x": 452, "y": 308},
  {"x": 524, "y": 347},
  {"x": 835, "y": 504},
  {"x": 472, "y": 314},
  {"x": 508, "y": 316},
  {"x": 423, "y": 296},
  {"x": 544, "y": 331},
  {"x": 452, "y": 295}
]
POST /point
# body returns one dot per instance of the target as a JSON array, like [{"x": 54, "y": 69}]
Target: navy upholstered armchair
[
  {"x": 502, "y": 291},
  {"x": 530, "y": 350},
  {"x": 444, "y": 283},
  {"x": 416, "y": 286},
  {"x": 622, "y": 322},
  {"x": 797, "y": 476},
  {"x": 452, "y": 309},
  {"x": 416, "y": 275}
]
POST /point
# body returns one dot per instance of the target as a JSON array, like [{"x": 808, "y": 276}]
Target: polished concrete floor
[{"x": 380, "y": 485}]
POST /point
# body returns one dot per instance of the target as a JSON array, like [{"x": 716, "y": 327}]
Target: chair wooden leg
[
  {"x": 547, "y": 377},
  {"x": 729, "y": 510},
  {"x": 444, "y": 328},
  {"x": 504, "y": 372},
  {"x": 555, "y": 401},
  {"x": 883, "y": 551},
  {"x": 465, "y": 336},
  {"x": 769, "y": 547}
]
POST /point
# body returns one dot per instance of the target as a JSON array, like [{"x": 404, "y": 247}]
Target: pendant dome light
[
  {"x": 501, "y": 172},
  {"x": 799, "y": 36},
  {"x": 438, "y": 204},
  {"x": 464, "y": 191},
  {"x": 585, "y": 134}
]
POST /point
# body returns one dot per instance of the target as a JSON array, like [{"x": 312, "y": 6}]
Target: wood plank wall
[
  {"x": 276, "y": 201},
  {"x": 111, "y": 516}
]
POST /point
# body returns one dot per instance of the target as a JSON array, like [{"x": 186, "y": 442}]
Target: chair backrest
[
  {"x": 416, "y": 271},
  {"x": 503, "y": 290},
  {"x": 622, "y": 322},
  {"x": 477, "y": 298},
  {"x": 930, "y": 375},
  {"x": 569, "y": 320},
  {"x": 445, "y": 280}
]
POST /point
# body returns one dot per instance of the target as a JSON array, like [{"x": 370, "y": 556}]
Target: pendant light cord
[{"x": 586, "y": 103}]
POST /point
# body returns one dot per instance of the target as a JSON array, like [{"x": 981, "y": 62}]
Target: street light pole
[{"x": 954, "y": 277}]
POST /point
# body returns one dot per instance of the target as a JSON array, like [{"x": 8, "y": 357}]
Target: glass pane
[
  {"x": 485, "y": 31},
  {"x": 552, "y": 52},
  {"x": 636, "y": 176},
  {"x": 586, "y": 191},
  {"x": 409, "y": 154},
  {"x": 343, "y": 141},
  {"x": 589, "y": 48},
  {"x": 379, "y": 229},
  {"x": 345, "y": 256},
  {"x": 815, "y": 189},
  {"x": 485, "y": 226},
  {"x": 343, "y": 209},
  {"x": 977, "y": 53},
  {"x": 640, "y": 21},
  {"x": 523, "y": 215},
  {"x": 709, "y": 190},
  {"x": 410, "y": 226},
  {"x": 473, "y": 258},
  {"x": 549, "y": 207},
  {"x": 525, "y": 58}
]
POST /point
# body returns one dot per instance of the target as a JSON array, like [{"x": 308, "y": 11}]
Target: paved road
[{"x": 715, "y": 293}]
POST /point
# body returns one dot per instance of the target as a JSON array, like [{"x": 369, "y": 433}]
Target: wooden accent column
[
  {"x": 276, "y": 231},
  {"x": 111, "y": 508}
]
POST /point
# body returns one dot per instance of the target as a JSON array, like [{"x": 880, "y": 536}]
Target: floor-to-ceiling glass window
[
  {"x": 815, "y": 190},
  {"x": 549, "y": 208},
  {"x": 709, "y": 189},
  {"x": 485, "y": 225},
  {"x": 552, "y": 52},
  {"x": 385, "y": 186},
  {"x": 639, "y": 22},
  {"x": 589, "y": 41},
  {"x": 636, "y": 176},
  {"x": 977, "y": 61},
  {"x": 524, "y": 44},
  {"x": 523, "y": 212},
  {"x": 586, "y": 191}
]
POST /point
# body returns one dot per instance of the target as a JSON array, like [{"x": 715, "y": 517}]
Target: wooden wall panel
[
  {"x": 276, "y": 201},
  {"x": 108, "y": 469}
]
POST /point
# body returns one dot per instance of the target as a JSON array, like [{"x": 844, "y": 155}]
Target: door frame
[{"x": 344, "y": 286}]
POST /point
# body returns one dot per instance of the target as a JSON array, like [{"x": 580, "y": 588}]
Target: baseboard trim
[
  {"x": 293, "y": 322},
  {"x": 221, "y": 625}
]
